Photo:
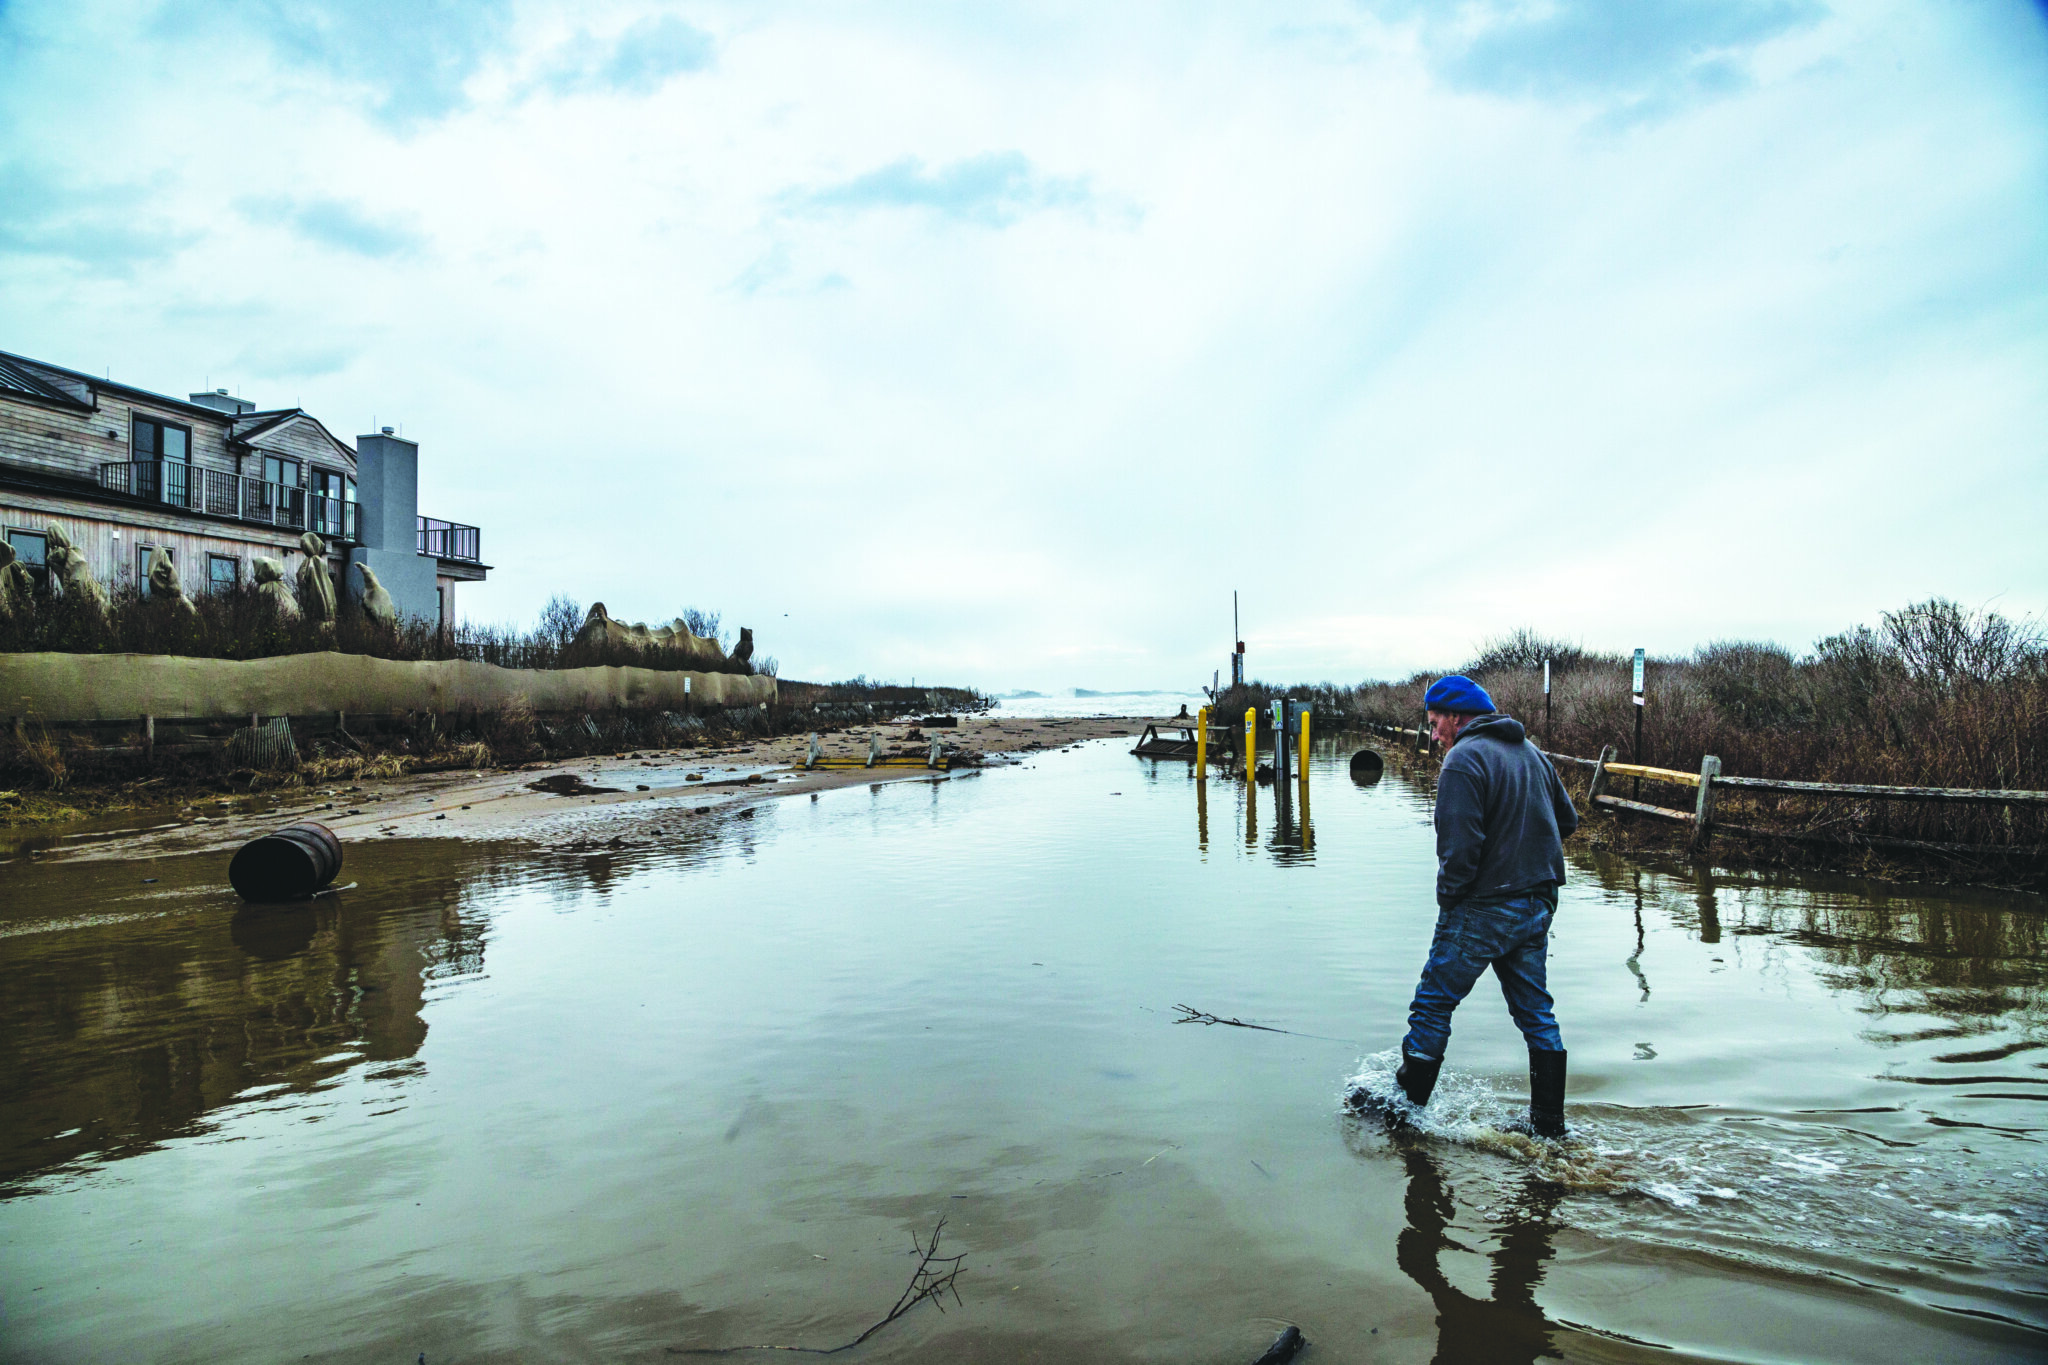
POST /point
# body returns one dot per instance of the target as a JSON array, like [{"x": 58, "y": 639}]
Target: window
[
  {"x": 222, "y": 573},
  {"x": 142, "y": 558},
  {"x": 277, "y": 469},
  {"x": 32, "y": 548},
  {"x": 156, "y": 440}
]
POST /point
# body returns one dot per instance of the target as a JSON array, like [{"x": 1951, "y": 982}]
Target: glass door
[
  {"x": 162, "y": 461},
  {"x": 282, "y": 497},
  {"x": 329, "y": 492}
]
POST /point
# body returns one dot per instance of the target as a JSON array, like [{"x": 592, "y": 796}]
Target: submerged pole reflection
[{"x": 1202, "y": 812}]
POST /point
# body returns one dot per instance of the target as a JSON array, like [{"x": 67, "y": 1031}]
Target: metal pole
[
  {"x": 1251, "y": 745},
  {"x": 1636, "y": 754},
  {"x": 1202, "y": 744},
  {"x": 1304, "y": 766},
  {"x": 1549, "y": 736}
]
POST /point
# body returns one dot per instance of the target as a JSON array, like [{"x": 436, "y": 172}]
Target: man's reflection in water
[{"x": 1508, "y": 1328}]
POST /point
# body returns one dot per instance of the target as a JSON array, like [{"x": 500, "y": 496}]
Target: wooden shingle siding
[
  {"x": 114, "y": 562},
  {"x": 304, "y": 440},
  {"x": 76, "y": 444}
]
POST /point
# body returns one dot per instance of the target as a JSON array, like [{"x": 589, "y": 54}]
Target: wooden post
[
  {"x": 1549, "y": 735},
  {"x": 938, "y": 749},
  {"x": 1703, "y": 811},
  {"x": 1202, "y": 750},
  {"x": 1251, "y": 744},
  {"x": 1599, "y": 781},
  {"x": 149, "y": 740},
  {"x": 814, "y": 753},
  {"x": 874, "y": 751}
]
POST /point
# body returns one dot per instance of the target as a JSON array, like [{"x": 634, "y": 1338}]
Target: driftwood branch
[
  {"x": 1190, "y": 1015},
  {"x": 933, "y": 1279}
]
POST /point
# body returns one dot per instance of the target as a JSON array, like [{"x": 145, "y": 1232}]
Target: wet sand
[{"x": 655, "y": 791}]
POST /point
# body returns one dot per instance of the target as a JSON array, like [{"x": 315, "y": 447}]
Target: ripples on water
[
  {"x": 702, "y": 1089},
  {"x": 1769, "y": 1190}
]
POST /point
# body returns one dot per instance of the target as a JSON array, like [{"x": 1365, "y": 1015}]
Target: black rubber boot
[
  {"x": 1546, "y": 1093},
  {"x": 1417, "y": 1078}
]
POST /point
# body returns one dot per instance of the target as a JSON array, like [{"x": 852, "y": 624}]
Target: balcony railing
[
  {"x": 192, "y": 488},
  {"x": 450, "y": 540}
]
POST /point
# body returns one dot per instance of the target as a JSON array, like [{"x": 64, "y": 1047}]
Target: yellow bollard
[
  {"x": 1251, "y": 743},
  {"x": 1201, "y": 743},
  {"x": 1304, "y": 755}
]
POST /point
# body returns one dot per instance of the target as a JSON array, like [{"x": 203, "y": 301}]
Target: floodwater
[{"x": 501, "y": 1104}]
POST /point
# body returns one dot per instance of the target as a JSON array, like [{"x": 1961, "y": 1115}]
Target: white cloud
[{"x": 1155, "y": 306}]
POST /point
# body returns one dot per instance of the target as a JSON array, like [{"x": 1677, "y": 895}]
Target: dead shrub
[{"x": 45, "y": 758}]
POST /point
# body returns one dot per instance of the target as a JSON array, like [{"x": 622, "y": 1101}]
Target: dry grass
[
  {"x": 1935, "y": 695},
  {"x": 473, "y": 754},
  {"x": 354, "y": 767},
  {"x": 44, "y": 757}
]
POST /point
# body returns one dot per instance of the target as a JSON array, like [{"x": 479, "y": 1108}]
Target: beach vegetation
[
  {"x": 1935, "y": 694},
  {"x": 241, "y": 623}
]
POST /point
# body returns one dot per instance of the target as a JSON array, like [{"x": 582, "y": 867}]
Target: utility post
[
  {"x": 1280, "y": 709},
  {"x": 1305, "y": 713},
  {"x": 1636, "y": 754},
  {"x": 1549, "y": 736}
]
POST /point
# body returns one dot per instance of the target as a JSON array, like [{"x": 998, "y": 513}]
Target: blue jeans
[{"x": 1511, "y": 937}]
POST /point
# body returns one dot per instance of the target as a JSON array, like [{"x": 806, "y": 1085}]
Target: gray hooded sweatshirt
[{"x": 1501, "y": 817}]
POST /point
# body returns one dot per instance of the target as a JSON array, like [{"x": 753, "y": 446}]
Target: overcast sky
[{"x": 998, "y": 344}]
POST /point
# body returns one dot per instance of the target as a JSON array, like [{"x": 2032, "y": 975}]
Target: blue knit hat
[{"x": 1457, "y": 693}]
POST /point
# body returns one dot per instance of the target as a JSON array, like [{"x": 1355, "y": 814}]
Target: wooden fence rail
[
  {"x": 1786, "y": 785},
  {"x": 1710, "y": 779}
]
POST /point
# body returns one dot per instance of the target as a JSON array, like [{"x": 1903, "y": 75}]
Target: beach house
[{"x": 214, "y": 481}]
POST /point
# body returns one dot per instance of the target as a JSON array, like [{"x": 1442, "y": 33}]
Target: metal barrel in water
[
  {"x": 1366, "y": 766},
  {"x": 287, "y": 864}
]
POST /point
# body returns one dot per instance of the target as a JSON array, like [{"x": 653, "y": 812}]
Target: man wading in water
[{"x": 1501, "y": 818}]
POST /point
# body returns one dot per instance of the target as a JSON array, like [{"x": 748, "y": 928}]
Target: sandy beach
[{"x": 635, "y": 796}]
